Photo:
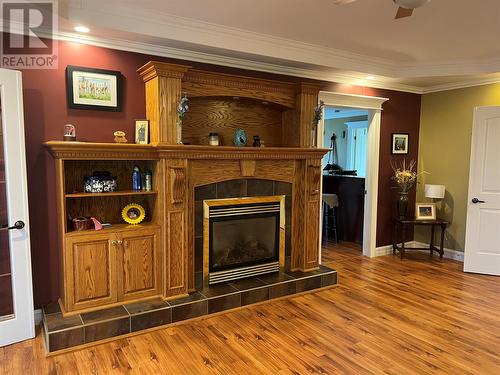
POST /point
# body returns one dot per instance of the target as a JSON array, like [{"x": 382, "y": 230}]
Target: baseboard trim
[
  {"x": 448, "y": 253},
  {"x": 383, "y": 250},
  {"x": 38, "y": 316}
]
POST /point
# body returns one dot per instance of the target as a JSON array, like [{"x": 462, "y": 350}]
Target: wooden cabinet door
[
  {"x": 90, "y": 271},
  {"x": 139, "y": 264}
]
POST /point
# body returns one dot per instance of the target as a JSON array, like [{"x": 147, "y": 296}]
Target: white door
[
  {"x": 16, "y": 294},
  {"x": 482, "y": 239}
]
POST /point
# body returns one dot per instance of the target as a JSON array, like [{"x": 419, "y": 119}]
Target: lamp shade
[{"x": 434, "y": 191}]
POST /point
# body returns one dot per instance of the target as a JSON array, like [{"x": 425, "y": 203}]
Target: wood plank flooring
[{"x": 413, "y": 316}]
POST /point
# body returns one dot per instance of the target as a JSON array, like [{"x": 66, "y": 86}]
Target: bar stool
[{"x": 330, "y": 204}]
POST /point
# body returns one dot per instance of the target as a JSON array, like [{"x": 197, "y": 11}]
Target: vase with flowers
[
  {"x": 318, "y": 115},
  {"x": 405, "y": 176},
  {"x": 182, "y": 108}
]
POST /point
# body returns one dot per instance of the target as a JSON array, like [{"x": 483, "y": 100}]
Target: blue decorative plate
[{"x": 240, "y": 138}]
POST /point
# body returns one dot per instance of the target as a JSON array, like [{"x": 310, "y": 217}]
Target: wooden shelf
[
  {"x": 113, "y": 228},
  {"x": 110, "y": 194}
]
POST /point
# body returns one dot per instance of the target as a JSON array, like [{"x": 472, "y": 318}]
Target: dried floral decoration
[
  {"x": 405, "y": 175},
  {"x": 183, "y": 107},
  {"x": 318, "y": 113}
]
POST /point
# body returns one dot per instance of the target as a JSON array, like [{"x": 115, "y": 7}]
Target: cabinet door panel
[
  {"x": 139, "y": 264},
  {"x": 91, "y": 276}
]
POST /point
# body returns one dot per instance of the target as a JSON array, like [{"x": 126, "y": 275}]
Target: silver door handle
[
  {"x": 17, "y": 225},
  {"x": 475, "y": 200}
]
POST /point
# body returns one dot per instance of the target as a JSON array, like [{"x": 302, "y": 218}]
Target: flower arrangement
[
  {"x": 318, "y": 113},
  {"x": 405, "y": 175},
  {"x": 183, "y": 107}
]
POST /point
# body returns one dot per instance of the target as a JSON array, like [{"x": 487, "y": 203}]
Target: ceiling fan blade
[
  {"x": 343, "y": 2},
  {"x": 403, "y": 12}
]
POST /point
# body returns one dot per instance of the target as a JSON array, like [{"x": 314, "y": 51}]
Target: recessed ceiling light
[
  {"x": 370, "y": 77},
  {"x": 82, "y": 29}
]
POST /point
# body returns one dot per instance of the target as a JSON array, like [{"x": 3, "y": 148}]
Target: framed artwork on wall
[
  {"x": 94, "y": 89},
  {"x": 399, "y": 143},
  {"x": 425, "y": 211},
  {"x": 142, "y": 132}
]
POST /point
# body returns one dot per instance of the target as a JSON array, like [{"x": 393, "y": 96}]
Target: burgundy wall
[{"x": 46, "y": 113}]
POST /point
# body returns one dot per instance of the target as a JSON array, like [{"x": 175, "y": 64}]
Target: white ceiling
[{"x": 444, "y": 44}]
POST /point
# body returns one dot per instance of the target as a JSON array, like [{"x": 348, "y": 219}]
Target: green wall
[{"x": 444, "y": 152}]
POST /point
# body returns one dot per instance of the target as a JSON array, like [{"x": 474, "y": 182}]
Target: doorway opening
[
  {"x": 373, "y": 106},
  {"x": 345, "y": 133}
]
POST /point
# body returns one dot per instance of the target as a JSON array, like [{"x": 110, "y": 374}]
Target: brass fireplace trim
[{"x": 232, "y": 201}]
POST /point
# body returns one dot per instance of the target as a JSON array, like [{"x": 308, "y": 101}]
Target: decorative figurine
[
  {"x": 120, "y": 137},
  {"x": 256, "y": 141},
  {"x": 69, "y": 133},
  {"x": 240, "y": 138}
]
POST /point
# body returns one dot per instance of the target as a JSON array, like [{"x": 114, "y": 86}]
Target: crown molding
[
  {"x": 459, "y": 85},
  {"x": 233, "y": 62}
]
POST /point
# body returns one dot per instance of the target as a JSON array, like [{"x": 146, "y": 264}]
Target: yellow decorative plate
[{"x": 133, "y": 213}]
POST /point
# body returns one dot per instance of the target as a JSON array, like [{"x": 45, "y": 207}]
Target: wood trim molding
[
  {"x": 91, "y": 150},
  {"x": 127, "y": 151},
  {"x": 177, "y": 183},
  {"x": 202, "y": 83},
  {"x": 352, "y": 101},
  {"x": 153, "y": 69},
  {"x": 237, "y": 153}
]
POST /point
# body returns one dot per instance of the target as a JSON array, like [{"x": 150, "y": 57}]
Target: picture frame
[
  {"x": 425, "y": 211},
  {"x": 93, "y": 89},
  {"x": 400, "y": 143},
  {"x": 142, "y": 132}
]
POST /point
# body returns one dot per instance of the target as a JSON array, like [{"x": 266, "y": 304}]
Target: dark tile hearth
[{"x": 63, "y": 333}]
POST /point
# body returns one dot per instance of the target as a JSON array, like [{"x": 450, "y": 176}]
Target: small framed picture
[
  {"x": 425, "y": 211},
  {"x": 400, "y": 143},
  {"x": 95, "y": 89},
  {"x": 142, "y": 132}
]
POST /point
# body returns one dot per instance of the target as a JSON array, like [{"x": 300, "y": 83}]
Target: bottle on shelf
[
  {"x": 148, "y": 181},
  {"x": 136, "y": 179}
]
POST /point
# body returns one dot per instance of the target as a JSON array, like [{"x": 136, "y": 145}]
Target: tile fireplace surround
[{"x": 72, "y": 332}]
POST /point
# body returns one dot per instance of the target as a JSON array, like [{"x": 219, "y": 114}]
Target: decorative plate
[
  {"x": 240, "y": 138},
  {"x": 133, "y": 213}
]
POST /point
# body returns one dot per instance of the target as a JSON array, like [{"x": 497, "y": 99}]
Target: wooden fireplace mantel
[
  {"x": 90, "y": 150},
  {"x": 157, "y": 258}
]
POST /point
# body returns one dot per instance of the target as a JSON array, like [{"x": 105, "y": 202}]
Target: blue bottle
[{"x": 136, "y": 179}]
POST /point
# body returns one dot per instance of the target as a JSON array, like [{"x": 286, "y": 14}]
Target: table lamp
[{"x": 434, "y": 191}]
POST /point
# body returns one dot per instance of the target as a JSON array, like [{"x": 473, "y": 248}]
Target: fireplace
[{"x": 242, "y": 237}]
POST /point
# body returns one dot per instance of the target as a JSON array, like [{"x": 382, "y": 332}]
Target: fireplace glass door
[{"x": 243, "y": 240}]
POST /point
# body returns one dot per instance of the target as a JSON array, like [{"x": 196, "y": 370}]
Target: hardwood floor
[{"x": 413, "y": 316}]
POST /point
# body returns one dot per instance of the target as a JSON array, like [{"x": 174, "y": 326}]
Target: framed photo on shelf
[
  {"x": 425, "y": 211},
  {"x": 94, "y": 89},
  {"x": 399, "y": 143},
  {"x": 142, "y": 132}
]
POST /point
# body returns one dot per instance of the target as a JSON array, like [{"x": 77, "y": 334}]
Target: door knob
[
  {"x": 17, "y": 225},
  {"x": 475, "y": 200}
]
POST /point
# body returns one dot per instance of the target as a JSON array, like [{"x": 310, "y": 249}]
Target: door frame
[
  {"x": 22, "y": 325},
  {"x": 373, "y": 105}
]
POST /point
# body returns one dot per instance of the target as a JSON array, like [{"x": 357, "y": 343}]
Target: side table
[{"x": 403, "y": 223}]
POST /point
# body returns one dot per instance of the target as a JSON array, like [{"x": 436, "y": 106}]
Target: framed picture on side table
[
  {"x": 142, "y": 132},
  {"x": 399, "y": 143},
  {"x": 425, "y": 211},
  {"x": 95, "y": 89}
]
